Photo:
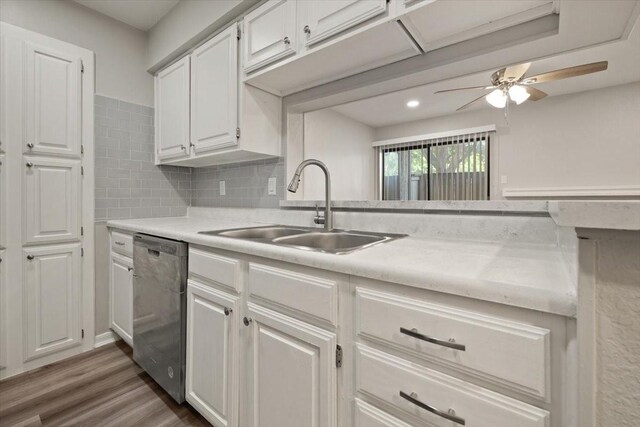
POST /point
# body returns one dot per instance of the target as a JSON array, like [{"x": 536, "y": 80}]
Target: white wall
[
  {"x": 120, "y": 49},
  {"x": 586, "y": 139},
  {"x": 344, "y": 145},
  {"x": 188, "y": 23}
]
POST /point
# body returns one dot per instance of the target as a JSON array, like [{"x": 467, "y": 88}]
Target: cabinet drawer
[
  {"x": 286, "y": 287},
  {"x": 122, "y": 243},
  {"x": 512, "y": 354},
  {"x": 384, "y": 377},
  {"x": 213, "y": 268},
  {"x": 369, "y": 416}
]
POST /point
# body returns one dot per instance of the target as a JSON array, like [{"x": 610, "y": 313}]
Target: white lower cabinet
[
  {"x": 121, "y": 286},
  {"x": 52, "y": 299},
  {"x": 292, "y": 371},
  {"x": 212, "y": 353}
]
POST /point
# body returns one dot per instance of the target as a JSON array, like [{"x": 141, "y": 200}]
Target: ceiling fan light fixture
[
  {"x": 518, "y": 94},
  {"x": 497, "y": 98}
]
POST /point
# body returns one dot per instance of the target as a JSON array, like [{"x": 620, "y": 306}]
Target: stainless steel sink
[
  {"x": 307, "y": 238},
  {"x": 269, "y": 232}
]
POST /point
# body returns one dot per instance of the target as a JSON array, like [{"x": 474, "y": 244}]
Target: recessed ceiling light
[{"x": 413, "y": 103}]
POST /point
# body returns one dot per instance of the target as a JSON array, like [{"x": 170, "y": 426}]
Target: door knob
[
  {"x": 30, "y": 257},
  {"x": 227, "y": 311},
  {"x": 306, "y": 29},
  {"x": 29, "y": 164},
  {"x": 247, "y": 321},
  {"x": 286, "y": 41},
  {"x": 30, "y": 146}
]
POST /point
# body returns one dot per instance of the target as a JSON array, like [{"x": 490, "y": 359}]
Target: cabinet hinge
[
  {"x": 81, "y": 170},
  {"x": 82, "y": 149},
  {"x": 82, "y": 231},
  {"x": 81, "y": 67},
  {"x": 81, "y": 251},
  {"x": 338, "y": 356},
  {"x": 237, "y": 133},
  {"x": 239, "y": 31},
  {"x": 82, "y": 333}
]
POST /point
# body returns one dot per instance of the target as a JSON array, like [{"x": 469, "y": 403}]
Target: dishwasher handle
[{"x": 156, "y": 245}]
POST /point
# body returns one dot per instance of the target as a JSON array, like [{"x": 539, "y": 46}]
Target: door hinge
[
  {"x": 81, "y": 251},
  {"x": 82, "y": 231},
  {"x": 82, "y": 333},
  {"x": 81, "y": 170},
  {"x": 82, "y": 149},
  {"x": 81, "y": 67},
  {"x": 338, "y": 356},
  {"x": 237, "y": 133},
  {"x": 239, "y": 31}
]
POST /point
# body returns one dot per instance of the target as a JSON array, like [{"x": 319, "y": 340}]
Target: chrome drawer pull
[
  {"x": 449, "y": 415},
  {"x": 415, "y": 334}
]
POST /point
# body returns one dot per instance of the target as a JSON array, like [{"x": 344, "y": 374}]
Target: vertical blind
[{"x": 448, "y": 168}]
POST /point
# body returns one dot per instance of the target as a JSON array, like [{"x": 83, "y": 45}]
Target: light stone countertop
[{"x": 533, "y": 276}]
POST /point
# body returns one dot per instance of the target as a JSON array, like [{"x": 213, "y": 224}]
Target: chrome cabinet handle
[
  {"x": 228, "y": 311},
  {"x": 30, "y": 257},
  {"x": 247, "y": 321},
  {"x": 450, "y": 343},
  {"x": 306, "y": 29},
  {"x": 129, "y": 268},
  {"x": 29, "y": 164},
  {"x": 30, "y": 146},
  {"x": 449, "y": 415},
  {"x": 183, "y": 148},
  {"x": 286, "y": 41}
]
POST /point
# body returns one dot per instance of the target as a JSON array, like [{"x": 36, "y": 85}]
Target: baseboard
[
  {"x": 105, "y": 338},
  {"x": 568, "y": 192}
]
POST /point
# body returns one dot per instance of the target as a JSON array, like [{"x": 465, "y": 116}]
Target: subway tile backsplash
[{"x": 130, "y": 185}]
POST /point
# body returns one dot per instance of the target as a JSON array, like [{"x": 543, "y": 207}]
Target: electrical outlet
[
  {"x": 223, "y": 189},
  {"x": 271, "y": 186}
]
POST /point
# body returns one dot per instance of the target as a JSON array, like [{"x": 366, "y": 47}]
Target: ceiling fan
[{"x": 510, "y": 82}]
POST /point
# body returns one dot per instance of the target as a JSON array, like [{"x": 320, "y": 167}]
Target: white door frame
[{"x": 13, "y": 145}]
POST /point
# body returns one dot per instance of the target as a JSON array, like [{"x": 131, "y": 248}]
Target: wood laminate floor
[{"x": 103, "y": 387}]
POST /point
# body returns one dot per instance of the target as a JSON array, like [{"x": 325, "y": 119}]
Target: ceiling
[
  {"x": 141, "y": 14},
  {"x": 390, "y": 108}
]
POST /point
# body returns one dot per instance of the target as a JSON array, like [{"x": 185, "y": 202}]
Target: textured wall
[
  {"x": 246, "y": 185},
  {"x": 618, "y": 332},
  {"x": 128, "y": 184}
]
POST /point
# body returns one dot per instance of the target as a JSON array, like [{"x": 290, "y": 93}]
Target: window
[{"x": 452, "y": 168}]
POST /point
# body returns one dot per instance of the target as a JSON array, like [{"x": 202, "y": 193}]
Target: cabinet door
[
  {"x": 52, "y": 300},
  {"x": 172, "y": 111},
  {"x": 269, "y": 33},
  {"x": 51, "y": 200},
  {"x": 3, "y": 311},
  {"x": 52, "y": 103},
  {"x": 122, "y": 297},
  {"x": 320, "y": 19},
  {"x": 212, "y": 354},
  {"x": 3, "y": 201},
  {"x": 292, "y": 372},
  {"x": 214, "y": 92}
]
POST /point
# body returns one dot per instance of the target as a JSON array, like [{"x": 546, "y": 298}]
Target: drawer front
[
  {"x": 512, "y": 354},
  {"x": 286, "y": 287},
  {"x": 369, "y": 416},
  {"x": 210, "y": 267},
  {"x": 122, "y": 243},
  {"x": 384, "y": 377}
]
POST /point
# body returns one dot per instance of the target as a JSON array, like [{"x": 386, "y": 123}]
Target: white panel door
[
  {"x": 321, "y": 19},
  {"x": 51, "y": 298},
  {"x": 214, "y": 92},
  {"x": 53, "y": 101},
  {"x": 122, "y": 297},
  {"x": 172, "y": 111},
  {"x": 51, "y": 200},
  {"x": 292, "y": 372},
  {"x": 269, "y": 33},
  {"x": 212, "y": 367}
]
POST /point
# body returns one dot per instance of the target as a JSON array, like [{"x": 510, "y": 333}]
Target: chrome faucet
[{"x": 295, "y": 181}]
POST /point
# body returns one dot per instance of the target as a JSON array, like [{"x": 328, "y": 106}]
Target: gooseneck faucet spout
[{"x": 295, "y": 181}]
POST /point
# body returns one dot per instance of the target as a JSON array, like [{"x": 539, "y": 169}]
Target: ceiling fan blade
[
  {"x": 565, "y": 73},
  {"x": 514, "y": 72},
  {"x": 465, "y": 88},
  {"x": 535, "y": 94},
  {"x": 469, "y": 103}
]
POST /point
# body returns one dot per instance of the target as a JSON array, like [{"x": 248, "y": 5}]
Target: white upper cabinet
[
  {"x": 438, "y": 23},
  {"x": 172, "y": 111},
  {"x": 321, "y": 19},
  {"x": 52, "y": 102},
  {"x": 52, "y": 300},
  {"x": 51, "y": 200},
  {"x": 214, "y": 92},
  {"x": 270, "y": 33}
]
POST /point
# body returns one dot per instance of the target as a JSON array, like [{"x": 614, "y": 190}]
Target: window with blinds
[{"x": 448, "y": 168}]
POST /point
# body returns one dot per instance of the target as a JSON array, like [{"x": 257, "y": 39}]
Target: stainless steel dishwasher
[{"x": 159, "y": 310}]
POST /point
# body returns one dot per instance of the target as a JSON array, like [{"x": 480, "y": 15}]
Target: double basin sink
[{"x": 306, "y": 238}]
